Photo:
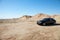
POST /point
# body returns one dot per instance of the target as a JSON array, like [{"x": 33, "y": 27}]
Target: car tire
[
  {"x": 54, "y": 23},
  {"x": 44, "y": 24}
]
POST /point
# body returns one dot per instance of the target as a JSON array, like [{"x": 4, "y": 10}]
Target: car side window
[
  {"x": 51, "y": 19},
  {"x": 48, "y": 19}
]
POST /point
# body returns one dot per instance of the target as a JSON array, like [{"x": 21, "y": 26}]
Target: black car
[{"x": 46, "y": 21}]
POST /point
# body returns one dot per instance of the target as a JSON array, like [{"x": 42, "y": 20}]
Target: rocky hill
[{"x": 30, "y": 18}]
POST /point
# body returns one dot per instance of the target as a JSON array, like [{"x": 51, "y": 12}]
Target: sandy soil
[
  {"x": 25, "y": 28},
  {"x": 29, "y": 31}
]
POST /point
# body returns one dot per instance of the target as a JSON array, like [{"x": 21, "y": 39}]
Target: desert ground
[{"x": 26, "y": 28}]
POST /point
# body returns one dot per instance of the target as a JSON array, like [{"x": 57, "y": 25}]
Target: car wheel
[
  {"x": 44, "y": 24},
  {"x": 54, "y": 23}
]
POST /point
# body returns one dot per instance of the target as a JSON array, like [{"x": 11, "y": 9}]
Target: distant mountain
[
  {"x": 31, "y": 18},
  {"x": 25, "y": 17}
]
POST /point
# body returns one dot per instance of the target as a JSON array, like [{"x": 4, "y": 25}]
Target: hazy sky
[{"x": 17, "y": 8}]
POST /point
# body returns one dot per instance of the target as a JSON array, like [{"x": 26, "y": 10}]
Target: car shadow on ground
[
  {"x": 54, "y": 24},
  {"x": 57, "y": 24}
]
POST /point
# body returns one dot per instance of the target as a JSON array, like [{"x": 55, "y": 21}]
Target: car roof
[{"x": 48, "y": 19}]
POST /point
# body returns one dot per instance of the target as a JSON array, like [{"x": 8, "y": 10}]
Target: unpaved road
[{"x": 28, "y": 31}]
